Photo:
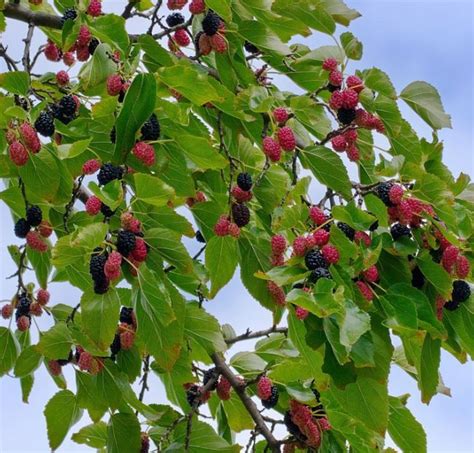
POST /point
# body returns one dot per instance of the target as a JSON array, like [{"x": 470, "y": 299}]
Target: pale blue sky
[{"x": 428, "y": 40}]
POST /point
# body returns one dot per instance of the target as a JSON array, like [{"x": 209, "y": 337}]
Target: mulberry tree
[{"x": 147, "y": 170}]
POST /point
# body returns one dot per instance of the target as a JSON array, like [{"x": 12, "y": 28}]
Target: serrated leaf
[
  {"x": 152, "y": 190},
  {"x": 56, "y": 342},
  {"x": 61, "y": 413},
  {"x": 352, "y": 46},
  {"x": 9, "y": 349},
  {"x": 123, "y": 433},
  {"x": 94, "y": 435},
  {"x": 28, "y": 361},
  {"x": 424, "y": 99}
]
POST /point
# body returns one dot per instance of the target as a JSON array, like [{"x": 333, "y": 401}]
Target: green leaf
[
  {"x": 152, "y": 190},
  {"x": 203, "y": 328},
  {"x": 94, "y": 73},
  {"x": 61, "y": 413},
  {"x": 28, "y": 361},
  {"x": 9, "y": 349},
  {"x": 41, "y": 264},
  {"x": 352, "y": 46},
  {"x": 435, "y": 274},
  {"x": 429, "y": 368},
  {"x": 353, "y": 216},
  {"x": 16, "y": 82},
  {"x": 404, "y": 428},
  {"x": 366, "y": 400},
  {"x": 123, "y": 433},
  {"x": 424, "y": 99},
  {"x": 201, "y": 152},
  {"x": 221, "y": 260},
  {"x": 221, "y": 7},
  {"x": 377, "y": 80},
  {"x": 261, "y": 36},
  {"x": 168, "y": 244},
  {"x": 340, "y": 12},
  {"x": 56, "y": 342},
  {"x": 353, "y": 323},
  {"x": 26, "y": 384},
  {"x": 94, "y": 435},
  {"x": 328, "y": 169},
  {"x": 100, "y": 315},
  {"x": 137, "y": 107},
  {"x": 110, "y": 28}
]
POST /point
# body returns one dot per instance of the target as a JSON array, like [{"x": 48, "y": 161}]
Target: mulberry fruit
[
  {"x": 330, "y": 254},
  {"x": 30, "y": 137},
  {"x": 361, "y": 237},
  {"x": 145, "y": 153},
  {"x": 95, "y": 8},
  {"x": 264, "y": 388},
  {"x": 336, "y": 100},
  {"x": 314, "y": 259},
  {"x": 200, "y": 238},
  {"x": 62, "y": 78},
  {"x": 140, "y": 252},
  {"x": 395, "y": 194},
  {"x": 244, "y": 181},
  {"x": 44, "y": 124},
  {"x": 355, "y": 83},
  {"x": 106, "y": 211},
  {"x": 211, "y": 23},
  {"x": 286, "y": 138},
  {"x": 175, "y": 19},
  {"x": 93, "y": 44},
  {"x": 108, "y": 173},
  {"x": 301, "y": 313},
  {"x": 7, "y": 311},
  {"x": 365, "y": 290},
  {"x": 272, "y": 401},
  {"x": 93, "y": 205},
  {"x": 463, "y": 267},
  {"x": 126, "y": 241},
  {"x": 126, "y": 315},
  {"x": 277, "y": 293},
  {"x": 34, "y": 215},
  {"x": 52, "y": 52},
  {"x": 278, "y": 244},
  {"x": 321, "y": 237},
  {"x": 398, "y": 231},
  {"x": 91, "y": 166},
  {"x": 350, "y": 99},
  {"x": 335, "y": 78},
  {"x": 181, "y": 37},
  {"x": 320, "y": 272},
  {"x": 346, "y": 116},
  {"x": 221, "y": 228},
  {"x": 330, "y": 64},
  {"x": 151, "y": 129},
  {"x": 69, "y": 14},
  {"x": 127, "y": 339},
  {"x": 371, "y": 274},
  {"x": 18, "y": 153},
  {"x": 461, "y": 291},
  {"x": 23, "y": 323},
  {"x": 271, "y": 149},
  {"x": 317, "y": 215},
  {"x": 240, "y": 195},
  {"x": 339, "y": 143},
  {"x": 347, "y": 230},
  {"x": 281, "y": 115},
  {"x": 114, "y": 85},
  {"x": 68, "y": 58},
  {"x": 383, "y": 192},
  {"x": 240, "y": 214},
  {"x": 300, "y": 245},
  {"x": 218, "y": 43},
  {"x": 22, "y": 228},
  {"x": 353, "y": 153},
  {"x": 36, "y": 242},
  {"x": 43, "y": 296}
]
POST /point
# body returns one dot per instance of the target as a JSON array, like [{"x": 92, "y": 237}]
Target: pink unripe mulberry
[
  {"x": 95, "y": 8},
  {"x": 197, "y": 7},
  {"x": 218, "y": 43},
  {"x": 140, "y": 252},
  {"x": 223, "y": 389},
  {"x": 7, "y": 311},
  {"x": 281, "y": 115},
  {"x": 234, "y": 230},
  {"x": 127, "y": 339},
  {"x": 52, "y": 52},
  {"x": 36, "y": 242},
  {"x": 264, "y": 388},
  {"x": 69, "y": 58},
  {"x": 300, "y": 246},
  {"x": 242, "y": 196},
  {"x": 54, "y": 367},
  {"x": 30, "y": 137},
  {"x": 43, "y": 296},
  {"x": 62, "y": 78},
  {"x": 35, "y": 309},
  {"x": 463, "y": 267},
  {"x": 350, "y": 99},
  {"x": 145, "y": 153},
  {"x": 18, "y": 153},
  {"x": 221, "y": 228},
  {"x": 93, "y": 205},
  {"x": 317, "y": 215},
  {"x": 278, "y": 244},
  {"x": 321, "y": 237},
  {"x": 336, "y": 78},
  {"x": 330, "y": 64},
  {"x": 82, "y": 53},
  {"x": 301, "y": 313},
  {"x": 91, "y": 166},
  {"x": 365, "y": 290},
  {"x": 396, "y": 194},
  {"x": 286, "y": 138},
  {"x": 114, "y": 85},
  {"x": 371, "y": 274},
  {"x": 23, "y": 323},
  {"x": 85, "y": 361},
  {"x": 181, "y": 37},
  {"x": 277, "y": 293},
  {"x": 272, "y": 149},
  {"x": 355, "y": 83},
  {"x": 324, "y": 424},
  {"x": 450, "y": 255},
  {"x": 45, "y": 229},
  {"x": 277, "y": 260},
  {"x": 330, "y": 253},
  {"x": 336, "y": 100},
  {"x": 84, "y": 36},
  {"x": 351, "y": 135},
  {"x": 176, "y": 4},
  {"x": 353, "y": 153},
  {"x": 339, "y": 143}
]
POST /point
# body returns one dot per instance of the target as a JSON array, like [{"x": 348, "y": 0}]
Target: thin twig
[
  {"x": 26, "y": 53},
  {"x": 249, "y": 335}
]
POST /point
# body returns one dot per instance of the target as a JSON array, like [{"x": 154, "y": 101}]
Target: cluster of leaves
[{"x": 214, "y": 110}]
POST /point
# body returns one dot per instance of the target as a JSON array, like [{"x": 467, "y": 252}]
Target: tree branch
[
  {"x": 39, "y": 18},
  {"x": 251, "y": 407},
  {"x": 249, "y": 335}
]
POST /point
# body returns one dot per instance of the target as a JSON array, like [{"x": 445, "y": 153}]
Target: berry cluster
[
  {"x": 284, "y": 140},
  {"x": 22, "y": 140},
  {"x": 87, "y": 362},
  {"x": 34, "y": 229},
  {"x": 24, "y": 306},
  {"x": 126, "y": 331},
  {"x": 267, "y": 392},
  {"x": 212, "y": 36},
  {"x": 224, "y": 226},
  {"x": 117, "y": 86}
]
